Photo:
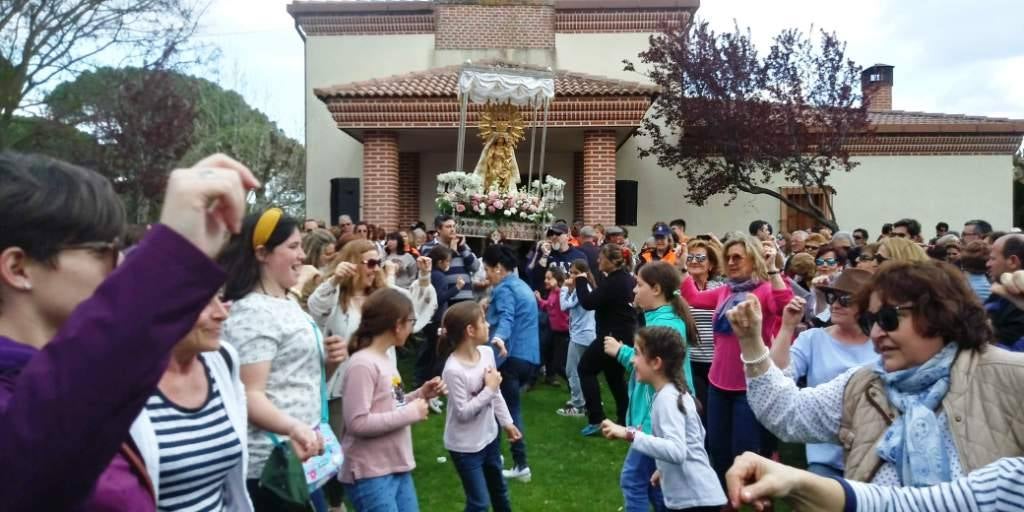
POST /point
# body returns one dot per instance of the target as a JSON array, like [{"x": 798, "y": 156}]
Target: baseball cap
[
  {"x": 559, "y": 228},
  {"x": 662, "y": 230}
]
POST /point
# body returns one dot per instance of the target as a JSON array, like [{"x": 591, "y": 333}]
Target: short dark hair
[
  {"x": 825, "y": 249},
  {"x": 886, "y": 228},
  {"x": 46, "y": 204},
  {"x": 862, "y": 231},
  {"x": 913, "y": 226},
  {"x": 974, "y": 257},
  {"x": 983, "y": 227},
  {"x": 1013, "y": 245},
  {"x": 678, "y": 222},
  {"x": 399, "y": 242},
  {"x": 441, "y": 219},
  {"x": 757, "y": 225},
  {"x": 942, "y": 304},
  {"x": 438, "y": 254},
  {"x": 942, "y": 226},
  {"x": 500, "y": 255}
]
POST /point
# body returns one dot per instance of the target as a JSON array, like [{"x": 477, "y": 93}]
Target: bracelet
[
  {"x": 773, "y": 273},
  {"x": 762, "y": 358}
]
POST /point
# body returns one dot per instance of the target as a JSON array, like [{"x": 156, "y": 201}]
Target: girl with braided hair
[{"x": 684, "y": 478}]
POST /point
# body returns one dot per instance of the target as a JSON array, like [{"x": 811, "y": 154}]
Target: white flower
[{"x": 508, "y": 213}]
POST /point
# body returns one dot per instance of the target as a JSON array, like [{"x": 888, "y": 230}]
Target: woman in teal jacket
[{"x": 657, "y": 293}]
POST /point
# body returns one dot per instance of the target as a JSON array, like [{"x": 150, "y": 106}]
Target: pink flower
[
  {"x": 494, "y": 196},
  {"x": 499, "y": 204},
  {"x": 460, "y": 207}
]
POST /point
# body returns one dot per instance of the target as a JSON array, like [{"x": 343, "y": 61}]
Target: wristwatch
[{"x": 630, "y": 434}]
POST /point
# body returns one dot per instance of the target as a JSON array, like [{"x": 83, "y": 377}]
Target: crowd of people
[{"x": 223, "y": 361}]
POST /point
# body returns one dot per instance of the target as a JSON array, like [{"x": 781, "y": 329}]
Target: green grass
[{"x": 570, "y": 472}]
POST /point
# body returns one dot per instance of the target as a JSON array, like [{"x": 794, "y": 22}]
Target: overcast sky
[{"x": 950, "y": 56}]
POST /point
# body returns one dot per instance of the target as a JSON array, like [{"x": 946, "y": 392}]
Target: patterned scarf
[
  {"x": 738, "y": 291},
  {"x": 913, "y": 443}
]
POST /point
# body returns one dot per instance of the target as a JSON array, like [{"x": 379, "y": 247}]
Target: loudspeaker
[
  {"x": 625, "y": 202},
  {"x": 344, "y": 199}
]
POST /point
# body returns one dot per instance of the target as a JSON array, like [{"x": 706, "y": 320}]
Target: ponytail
[
  {"x": 383, "y": 310},
  {"x": 453, "y": 326},
  {"x": 669, "y": 280}
]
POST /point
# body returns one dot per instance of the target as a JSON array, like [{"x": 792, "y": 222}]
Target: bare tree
[{"x": 43, "y": 40}]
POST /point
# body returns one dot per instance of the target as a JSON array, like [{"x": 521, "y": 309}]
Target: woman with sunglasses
[
  {"x": 82, "y": 345},
  {"x": 732, "y": 428},
  {"x": 279, "y": 347},
  {"x": 939, "y": 403},
  {"x": 337, "y": 304},
  {"x": 822, "y": 353},
  {"x": 703, "y": 264},
  {"x": 866, "y": 259}
]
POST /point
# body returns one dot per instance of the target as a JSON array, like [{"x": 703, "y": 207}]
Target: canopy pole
[
  {"x": 543, "y": 146},
  {"x": 533, "y": 139},
  {"x": 462, "y": 132}
]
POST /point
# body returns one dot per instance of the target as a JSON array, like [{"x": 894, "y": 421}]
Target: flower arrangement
[{"x": 463, "y": 195}]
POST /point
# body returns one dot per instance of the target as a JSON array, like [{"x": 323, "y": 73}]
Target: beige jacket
[{"x": 983, "y": 407}]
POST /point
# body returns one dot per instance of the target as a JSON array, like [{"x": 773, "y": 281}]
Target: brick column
[
  {"x": 577, "y": 186},
  {"x": 408, "y": 189},
  {"x": 599, "y": 177},
  {"x": 380, "y": 179}
]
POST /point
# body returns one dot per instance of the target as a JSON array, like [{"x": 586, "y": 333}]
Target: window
[{"x": 793, "y": 219}]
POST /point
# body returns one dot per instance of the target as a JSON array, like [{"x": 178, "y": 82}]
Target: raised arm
[
  {"x": 707, "y": 299},
  {"x": 567, "y": 299}
]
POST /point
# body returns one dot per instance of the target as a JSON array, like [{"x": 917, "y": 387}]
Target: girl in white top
[
  {"x": 677, "y": 439},
  {"x": 474, "y": 402},
  {"x": 279, "y": 359}
]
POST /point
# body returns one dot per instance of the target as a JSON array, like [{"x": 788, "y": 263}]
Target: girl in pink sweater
[
  {"x": 470, "y": 430},
  {"x": 377, "y": 439},
  {"x": 555, "y": 348}
]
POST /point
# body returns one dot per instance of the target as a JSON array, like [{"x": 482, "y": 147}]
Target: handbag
[{"x": 288, "y": 478}]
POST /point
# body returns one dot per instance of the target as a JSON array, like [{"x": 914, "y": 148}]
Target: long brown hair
[
  {"x": 382, "y": 312},
  {"x": 456, "y": 319},
  {"x": 580, "y": 265},
  {"x": 613, "y": 253},
  {"x": 668, "y": 279},
  {"x": 666, "y": 343},
  {"x": 353, "y": 253}
]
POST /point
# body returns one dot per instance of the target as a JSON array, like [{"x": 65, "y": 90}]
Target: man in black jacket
[
  {"x": 1007, "y": 255},
  {"x": 554, "y": 252}
]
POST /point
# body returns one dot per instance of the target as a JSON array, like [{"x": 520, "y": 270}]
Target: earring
[{"x": 26, "y": 286}]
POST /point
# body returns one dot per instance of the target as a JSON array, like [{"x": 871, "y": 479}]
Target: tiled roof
[
  {"x": 904, "y": 121},
  {"x": 443, "y": 82}
]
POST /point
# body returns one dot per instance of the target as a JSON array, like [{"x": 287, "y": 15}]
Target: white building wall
[
  {"x": 882, "y": 189},
  {"x": 330, "y": 153},
  {"x": 601, "y": 54}
]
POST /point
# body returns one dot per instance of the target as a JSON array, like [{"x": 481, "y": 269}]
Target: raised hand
[
  {"x": 793, "y": 312},
  {"x": 1010, "y": 286},
  {"x": 206, "y": 202},
  {"x": 745, "y": 319},
  {"x": 612, "y": 346},
  {"x": 755, "y": 480},
  {"x": 460, "y": 283},
  {"x": 612, "y": 430},
  {"x": 344, "y": 270},
  {"x": 425, "y": 265},
  {"x": 434, "y": 388}
]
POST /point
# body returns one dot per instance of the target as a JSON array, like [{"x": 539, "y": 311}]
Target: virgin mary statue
[{"x": 501, "y": 129}]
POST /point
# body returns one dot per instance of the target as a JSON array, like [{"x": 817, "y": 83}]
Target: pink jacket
[
  {"x": 726, "y": 367},
  {"x": 558, "y": 319}
]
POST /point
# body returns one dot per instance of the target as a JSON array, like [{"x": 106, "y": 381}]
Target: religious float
[{"x": 493, "y": 196}]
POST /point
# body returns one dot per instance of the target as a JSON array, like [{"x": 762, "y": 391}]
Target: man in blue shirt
[{"x": 464, "y": 263}]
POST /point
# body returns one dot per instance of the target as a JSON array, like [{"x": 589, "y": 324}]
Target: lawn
[{"x": 570, "y": 472}]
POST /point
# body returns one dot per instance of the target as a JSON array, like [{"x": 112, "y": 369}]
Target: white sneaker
[
  {"x": 436, "y": 405},
  {"x": 521, "y": 474}
]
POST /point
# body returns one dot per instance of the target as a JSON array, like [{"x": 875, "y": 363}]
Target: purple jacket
[{"x": 65, "y": 410}]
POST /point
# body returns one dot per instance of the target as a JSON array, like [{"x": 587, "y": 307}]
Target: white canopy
[{"x": 519, "y": 89}]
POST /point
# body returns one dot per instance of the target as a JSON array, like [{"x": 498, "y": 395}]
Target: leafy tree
[
  {"x": 43, "y": 40},
  {"x": 145, "y": 121},
  {"x": 729, "y": 121}
]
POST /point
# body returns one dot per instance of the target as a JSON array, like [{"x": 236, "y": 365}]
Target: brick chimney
[{"x": 876, "y": 86}]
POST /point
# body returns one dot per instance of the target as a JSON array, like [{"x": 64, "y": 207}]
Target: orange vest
[{"x": 669, "y": 257}]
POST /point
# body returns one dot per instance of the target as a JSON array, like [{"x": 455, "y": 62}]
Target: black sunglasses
[
  {"x": 372, "y": 263},
  {"x": 887, "y": 317},
  {"x": 844, "y": 300}
]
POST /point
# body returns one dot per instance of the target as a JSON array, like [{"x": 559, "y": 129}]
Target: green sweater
[{"x": 641, "y": 395}]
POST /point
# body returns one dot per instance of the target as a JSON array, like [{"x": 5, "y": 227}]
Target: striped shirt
[
  {"x": 704, "y": 352},
  {"x": 996, "y": 487},
  {"x": 197, "y": 449},
  {"x": 464, "y": 264}
]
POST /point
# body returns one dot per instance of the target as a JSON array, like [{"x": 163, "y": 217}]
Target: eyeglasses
[
  {"x": 372, "y": 263},
  {"x": 811, "y": 248},
  {"x": 111, "y": 251},
  {"x": 827, "y": 261},
  {"x": 898, "y": 235},
  {"x": 880, "y": 259},
  {"x": 887, "y": 317},
  {"x": 699, "y": 258},
  {"x": 865, "y": 257},
  {"x": 844, "y": 299}
]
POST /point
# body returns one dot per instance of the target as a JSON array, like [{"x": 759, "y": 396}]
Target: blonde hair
[
  {"x": 901, "y": 249},
  {"x": 714, "y": 255},
  {"x": 314, "y": 243},
  {"x": 353, "y": 253},
  {"x": 752, "y": 249}
]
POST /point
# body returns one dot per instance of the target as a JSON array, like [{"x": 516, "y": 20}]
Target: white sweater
[{"x": 229, "y": 383}]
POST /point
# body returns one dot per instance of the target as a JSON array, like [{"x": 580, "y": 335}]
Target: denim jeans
[
  {"x": 733, "y": 429},
  {"x": 635, "y": 481},
  {"x": 388, "y": 493},
  {"x": 572, "y": 371},
  {"x": 481, "y": 478},
  {"x": 515, "y": 373}
]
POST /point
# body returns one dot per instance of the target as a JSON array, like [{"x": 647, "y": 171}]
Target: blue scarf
[
  {"x": 913, "y": 443},
  {"x": 738, "y": 291}
]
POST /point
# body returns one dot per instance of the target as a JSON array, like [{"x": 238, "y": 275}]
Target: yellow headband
[{"x": 265, "y": 227}]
